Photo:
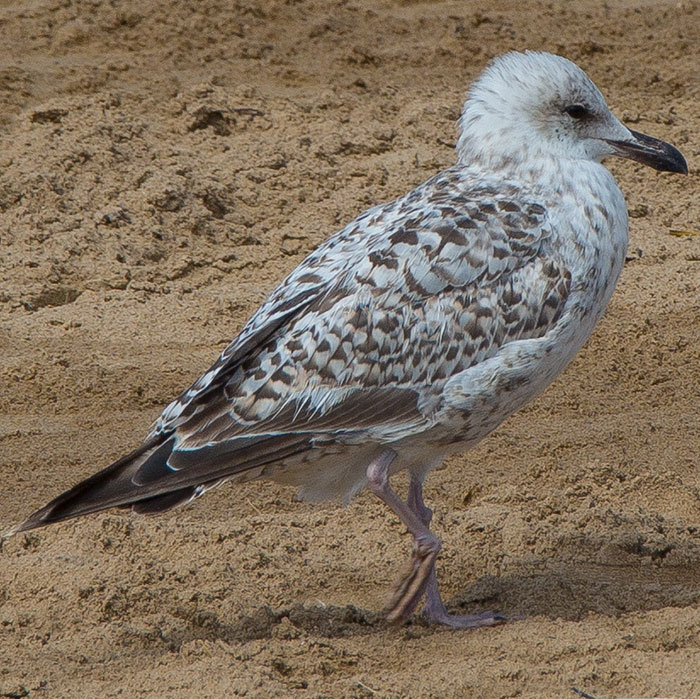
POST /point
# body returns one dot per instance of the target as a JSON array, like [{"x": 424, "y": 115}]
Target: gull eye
[{"x": 577, "y": 111}]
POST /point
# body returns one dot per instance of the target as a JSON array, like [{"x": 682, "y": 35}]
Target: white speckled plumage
[{"x": 419, "y": 327}]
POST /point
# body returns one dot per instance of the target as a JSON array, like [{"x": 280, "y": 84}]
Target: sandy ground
[{"x": 163, "y": 164}]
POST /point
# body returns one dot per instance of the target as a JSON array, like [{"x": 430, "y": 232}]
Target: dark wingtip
[
  {"x": 111, "y": 487},
  {"x": 34, "y": 521}
]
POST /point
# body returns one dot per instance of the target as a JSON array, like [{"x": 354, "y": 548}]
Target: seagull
[{"x": 417, "y": 329}]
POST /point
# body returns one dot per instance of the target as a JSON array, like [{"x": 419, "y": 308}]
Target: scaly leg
[
  {"x": 434, "y": 608},
  {"x": 411, "y": 583}
]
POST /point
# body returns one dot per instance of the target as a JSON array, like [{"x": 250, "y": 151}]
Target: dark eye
[{"x": 577, "y": 111}]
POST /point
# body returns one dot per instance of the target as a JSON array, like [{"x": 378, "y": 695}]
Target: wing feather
[{"x": 364, "y": 333}]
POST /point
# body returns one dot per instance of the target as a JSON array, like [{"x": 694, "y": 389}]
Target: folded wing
[{"x": 354, "y": 347}]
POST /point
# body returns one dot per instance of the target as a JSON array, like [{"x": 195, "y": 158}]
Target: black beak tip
[
  {"x": 673, "y": 160},
  {"x": 681, "y": 164}
]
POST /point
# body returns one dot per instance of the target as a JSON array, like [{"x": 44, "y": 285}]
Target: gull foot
[{"x": 411, "y": 583}]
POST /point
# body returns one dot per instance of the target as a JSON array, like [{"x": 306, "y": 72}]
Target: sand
[{"x": 163, "y": 165}]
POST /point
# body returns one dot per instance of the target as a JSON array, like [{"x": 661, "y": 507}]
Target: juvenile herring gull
[{"x": 417, "y": 329}]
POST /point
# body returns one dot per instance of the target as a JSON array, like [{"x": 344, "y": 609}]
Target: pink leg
[
  {"x": 434, "y": 608},
  {"x": 411, "y": 583}
]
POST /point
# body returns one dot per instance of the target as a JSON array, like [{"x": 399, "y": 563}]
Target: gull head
[{"x": 529, "y": 108}]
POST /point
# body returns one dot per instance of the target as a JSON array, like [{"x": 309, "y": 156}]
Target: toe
[{"x": 474, "y": 621}]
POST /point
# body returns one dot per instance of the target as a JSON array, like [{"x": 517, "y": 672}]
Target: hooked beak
[{"x": 651, "y": 151}]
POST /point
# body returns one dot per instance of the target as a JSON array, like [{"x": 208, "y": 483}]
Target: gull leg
[
  {"x": 411, "y": 583},
  {"x": 434, "y": 608}
]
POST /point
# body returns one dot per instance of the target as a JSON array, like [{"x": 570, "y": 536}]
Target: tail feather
[{"x": 161, "y": 503}]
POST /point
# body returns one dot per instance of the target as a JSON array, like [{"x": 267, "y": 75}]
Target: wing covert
[{"x": 359, "y": 339}]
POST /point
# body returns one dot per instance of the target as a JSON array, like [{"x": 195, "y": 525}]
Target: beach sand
[{"x": 163, "y": 166}]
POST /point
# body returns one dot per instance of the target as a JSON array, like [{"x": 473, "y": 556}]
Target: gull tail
[{"x": 115, "y": 486}]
